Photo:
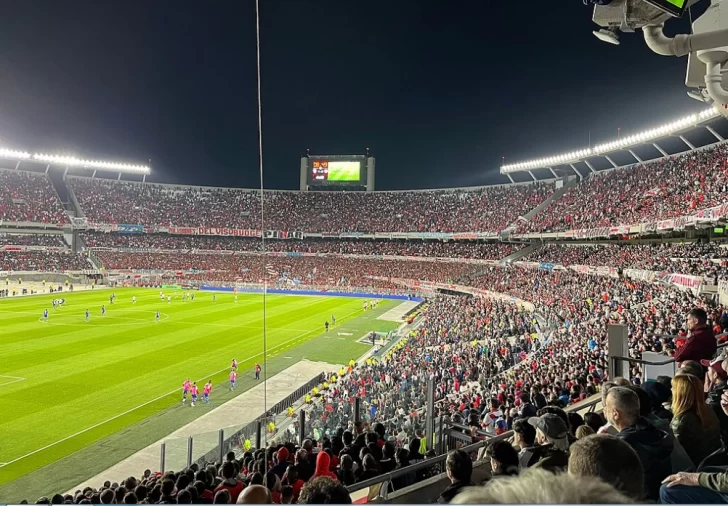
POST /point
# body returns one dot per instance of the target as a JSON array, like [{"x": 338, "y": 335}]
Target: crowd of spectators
[
  {"x": 339, "y": 271},
  {"x": 483, "y": 210},
  {"x": 19, "y": 239},
  {"x": 413, "y": 248},
  {"x": 666, "y": 188},
  {"x": 29, "y": 197},
  {"x": 695, "y": 258},
  {"x": 42, "y": 261}
]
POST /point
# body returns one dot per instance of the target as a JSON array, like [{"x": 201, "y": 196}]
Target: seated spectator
[
  {"x": 370, "y": 468},
  {"x": 346, "y": 470},
  {"x": 542, "y": 487},
  {"x": 323, "y": 461},
  {"x": 459, "y": 470},
  {"x": 233, "y": 486},
  {"x": 653, "y": 446},
  {"x": 583, "y": 431},
  {"x": 694, "y": 423},
  {"x": 324, "y": 490},
  {"x": 594, "y": 420},
  {"x": 524, "y": 435},
  {"x": 610, "y": 459},
  {"x": 503, "y": 459},
  {"x": 716, "y": 382},
  {"x": 659, "y": 396},
  {"x": 551, "y": 434}
]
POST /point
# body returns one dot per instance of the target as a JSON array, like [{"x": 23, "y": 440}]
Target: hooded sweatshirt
[
  {"x": 654, "y": 448},
  {"x": 323, "y": 461}
]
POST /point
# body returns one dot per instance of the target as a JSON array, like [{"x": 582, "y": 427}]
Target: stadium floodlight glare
[
  {"x": 16, "y": 155},
  {"x": 71, "y": 161},
  {"x": 621, "y": 143}
]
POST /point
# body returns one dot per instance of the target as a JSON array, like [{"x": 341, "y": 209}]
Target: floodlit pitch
[{"x": 66, "y": 383}]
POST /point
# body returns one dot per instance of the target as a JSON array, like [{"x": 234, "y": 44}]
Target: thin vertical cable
[{"x": 262, "y": 223}]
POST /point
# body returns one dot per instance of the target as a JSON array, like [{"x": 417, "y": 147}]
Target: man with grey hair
[
  {"x": 653, "y": 446},
  {"x": 552, "y": 435}
]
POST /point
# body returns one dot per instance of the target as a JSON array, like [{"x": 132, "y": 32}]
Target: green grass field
[{"x": 98, "y": 391}]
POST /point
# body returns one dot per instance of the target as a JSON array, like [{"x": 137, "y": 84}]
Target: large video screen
[{"x": 335, "y": 171}]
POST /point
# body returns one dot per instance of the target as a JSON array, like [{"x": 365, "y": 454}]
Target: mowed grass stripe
[{"x": 97, "y": 383}]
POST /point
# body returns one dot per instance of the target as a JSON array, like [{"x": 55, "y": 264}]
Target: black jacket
[
  {"x": 714, "y": 402},
  {"x": 529, "y": 456},
  {"x": 451, "y": 491},
  {"x": 654, "y": 448},
  {"x": 552, "y": 459}
]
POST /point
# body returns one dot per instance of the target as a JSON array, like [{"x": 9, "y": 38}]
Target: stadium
[{"x": 558, "y": 336}]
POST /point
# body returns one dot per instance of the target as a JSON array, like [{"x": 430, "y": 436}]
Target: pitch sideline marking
[
  {"x": 176, "y": 390},
  {"x": 15, "y": 379}
]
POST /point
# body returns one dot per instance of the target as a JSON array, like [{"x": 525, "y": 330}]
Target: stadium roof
[
  {"x": 72, "y": 161},
  {"x": 620, "y": 144}
]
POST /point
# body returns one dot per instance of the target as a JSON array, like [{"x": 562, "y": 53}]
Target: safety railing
[{"x": 179, "y": 453}]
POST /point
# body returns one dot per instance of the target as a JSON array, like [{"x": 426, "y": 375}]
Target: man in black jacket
[
  {"x": 716, "y": 382},
  {"x": 460, "y": 470},
  {"x": 653, "y": 446}
]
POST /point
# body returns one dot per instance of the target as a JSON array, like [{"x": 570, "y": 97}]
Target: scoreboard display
[{"x": 337, "y": 170}]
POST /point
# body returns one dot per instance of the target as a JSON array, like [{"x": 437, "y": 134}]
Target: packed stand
[
  {"x": 43, "y": 261},
  {"x": 461, "y": 340},
  {"x": 413, "y": 248},
  {"x": 483, "y": 210},
  {"x": 340, "y": 271},
  {"x": 29, "y": 197},
  {"x": 698, "y": 259},
  {"x": 666, "y": 188},
  {"x": 46, "y": 240}
]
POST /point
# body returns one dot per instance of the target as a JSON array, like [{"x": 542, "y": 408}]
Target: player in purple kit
[{"x": 185, "y": 390}]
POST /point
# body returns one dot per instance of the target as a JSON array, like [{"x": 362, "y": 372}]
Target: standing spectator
[
  {"x": 716, "y": 382},
  {"x": 459, "y": 469},
  {"x": 653, "y": 446},
  {"x": 694, "y": 423},
  {"x": 230, "y": 483},
  {"x": 701, "y": 343}
]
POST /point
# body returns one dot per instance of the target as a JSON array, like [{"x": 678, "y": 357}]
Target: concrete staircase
[{"x": 521, "y": 253}]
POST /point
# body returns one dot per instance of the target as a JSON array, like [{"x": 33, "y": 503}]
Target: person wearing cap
[
  {"x": 701, "y": 343},
  {"x": 716, "y": 382},
  {"x": 281, "y": 462},
  {"x": 552, "y": 435}
]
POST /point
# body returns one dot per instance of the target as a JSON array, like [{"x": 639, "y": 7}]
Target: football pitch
[{"x": 67, "y": 384}]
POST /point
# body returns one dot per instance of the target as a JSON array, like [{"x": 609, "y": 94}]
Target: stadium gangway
[{"x": 381, "y": 486}]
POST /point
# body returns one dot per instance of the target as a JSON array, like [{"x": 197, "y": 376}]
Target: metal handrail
[
  {"x": 720, "y": 346},
  {"x": 441, "y": 458}
]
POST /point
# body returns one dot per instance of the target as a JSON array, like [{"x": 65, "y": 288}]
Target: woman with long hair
[{"x": 694, "y": 424}]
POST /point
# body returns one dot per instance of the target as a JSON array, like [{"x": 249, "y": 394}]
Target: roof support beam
[
  {"x": 664, "y": 153},
  {"x": 635, "y": 156},
  {"x": 611, "y": 161},
  {"x": 589, "y": 165},
  {"x": 715, "y": 134},
  {"x": 532, "y": 176},
  {"x": 682, "y": 138}
]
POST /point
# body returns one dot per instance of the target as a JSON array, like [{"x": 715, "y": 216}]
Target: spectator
[
  {"x": 551, "y": 434},
  {"x": 323, "y": 461},
  {"x": 542, "y": 487},
  {"x": 255, "y": 494},
  {"x": 459, "y": 470},
  {"x": 503, "y": 459},
  {"x": 694, "y": 423},
  {"x": 324, "y": 490},
  {"x": 610, "y": 459},
  {"x": 281, "y": 462},
  {"x": 524, "y": 435},
  {"x": 346, "y": 472},
  {"x": 701, "y": 344},
  {"x": 370, "y": 468},
  {"x": 653, "y": 446},
  {"x": 230, "y": 483},
  {"x": 583, "y": 431},
  {"x": 716, "y": 382}
]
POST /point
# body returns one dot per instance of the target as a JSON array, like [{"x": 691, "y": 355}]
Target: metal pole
[
  {"x": 357, "y": 410},
  {"x": 618, "y": 342},
  {"x": 221, "y": 443},
  {"x": 190, "y": 445},
  {"x": 441, "y": 436},
  {"x": 162, "y": 457},
  {"x": 429, "y": 416},
  {"x": 301, "y": 427},
  {"x": 258, "y": 434}
]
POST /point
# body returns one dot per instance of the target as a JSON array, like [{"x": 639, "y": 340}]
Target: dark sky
[{"x": 439, "y": 90}]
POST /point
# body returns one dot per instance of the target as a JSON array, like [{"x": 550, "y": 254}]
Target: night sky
[{"x": 439, "y": 90}]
